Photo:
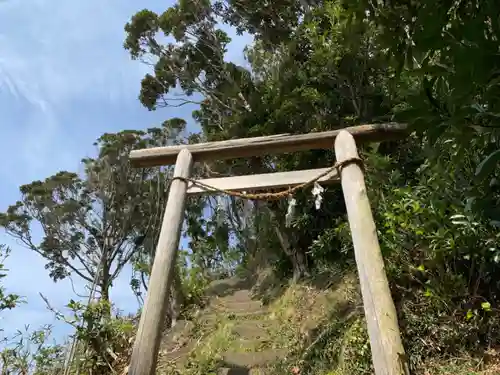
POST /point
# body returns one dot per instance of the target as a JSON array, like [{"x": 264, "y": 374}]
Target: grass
[
  {"x": 321, "y": 329},
  {"x": 210, "y": 340},
  {"x": 462, "y": 366}
]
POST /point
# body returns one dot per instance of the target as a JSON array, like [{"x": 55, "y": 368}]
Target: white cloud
[
  {"x": 53, "y": 53},
  {"x": 56, "y": 50}
]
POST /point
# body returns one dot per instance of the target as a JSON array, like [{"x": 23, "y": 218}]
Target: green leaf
[
  {"x": 488, "y": 164},
  {"x": 469, "y": 315},
  {"x": 434, "y": 133},
  {"x": 486, "y": 306}
]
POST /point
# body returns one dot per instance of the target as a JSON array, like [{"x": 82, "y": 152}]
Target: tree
[
  {"x": 449, "y": 49},
  {"x": 311, "y": 71},
  {"x": 320, "y": 65},
  {"x": 93, "y": 225}
]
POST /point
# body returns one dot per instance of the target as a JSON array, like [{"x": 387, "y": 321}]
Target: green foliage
[
  {"x": 321, "y": 65},
  {"x": 271, "y": 22},
  {"x": 441, "y": 256},
  {"x": 103, "y": 343},
  {"x": 355, "y": 357},
  {"x": 28, "y": 351},
  {"x": 104, "y": 340},
  {"x": 313, "y": 66},
  {"x": 324, "y": 65},
  {"x": 8, "y": 301},
  {"x": 199, "y": 50},
  {"x": 194, "y": 283},
  {"x": 32, "y": 352},
  {"x": 488, "y": 165},
  {"x": 93, "y": 225},
  {"x": 450, "y": 50}
]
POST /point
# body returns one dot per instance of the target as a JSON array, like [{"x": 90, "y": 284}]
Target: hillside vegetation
[{"x": 312, "y": 66}]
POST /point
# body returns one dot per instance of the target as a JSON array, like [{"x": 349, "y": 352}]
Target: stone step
[
  {"x": 240, "y": 371},
  {"x": 237, "y": 296},
  {"x": 252, "y": 329},
  {"x": 230, "y": 302},
  {"x": 252, "y": 346},
  {"x": 177, "y": 336},
  {"x": 251, "y": 360},
  {"x": 176, "y": 354},
  {"x": 180, "y": 328},
  {"x": 211, "y": 317},
  {"x": 238, "y": 307},
  {"x": 228, "y": 286}
]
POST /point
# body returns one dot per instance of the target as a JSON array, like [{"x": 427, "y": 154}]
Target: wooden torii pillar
[{"x": 385, "y": 339}]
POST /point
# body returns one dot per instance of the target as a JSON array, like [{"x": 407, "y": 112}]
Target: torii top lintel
[{"x": 267, "y": 145}]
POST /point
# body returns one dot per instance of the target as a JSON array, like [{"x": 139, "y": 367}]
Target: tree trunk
[
  {"x": 176, "y": 302},
  {"x": 104, "y": 286},
  {"x": 297, "y": 257},
  {"x": 105, "y": 293},
  {"x": 104, "y": 276},
  {"x": 177, "y": 299}
]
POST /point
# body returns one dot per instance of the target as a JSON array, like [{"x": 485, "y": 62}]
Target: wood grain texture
[
  {"x": 145, "y": 352},
  {"x": 380, "y": 312},
  {"x": 268, "y": 145},
  {"x": 265, "y": 181}
]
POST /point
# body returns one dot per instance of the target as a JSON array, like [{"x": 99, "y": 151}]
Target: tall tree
[
  {"x": 93, "y": 225},
  {"x": 311, "y": 70}
]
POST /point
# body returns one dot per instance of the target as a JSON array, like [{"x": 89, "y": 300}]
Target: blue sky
[{"x": 64, "y": 80}]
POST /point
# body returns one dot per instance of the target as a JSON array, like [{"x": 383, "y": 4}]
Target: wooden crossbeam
[
  {"x": 265, "y": 181},
  {"x": 268, "y": 145}
]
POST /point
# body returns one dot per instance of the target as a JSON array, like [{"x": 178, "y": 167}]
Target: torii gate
[{"x": 385, "y": 339}]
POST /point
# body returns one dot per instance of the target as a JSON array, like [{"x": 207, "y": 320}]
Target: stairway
[
  {"x": 251, "y": 328},
  {"x": 250, "y": 352}
]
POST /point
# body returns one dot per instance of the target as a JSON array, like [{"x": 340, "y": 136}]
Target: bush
[
  {"x": 104, "y": 340},
  {"x": 32, "y": 352},
  {"x": 440, "y": 254}
]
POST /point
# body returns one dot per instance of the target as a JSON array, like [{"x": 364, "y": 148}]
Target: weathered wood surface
[
  {"x": 145, "y": 352},
  {"x": 268, "y": 145},
  {"x": 265, "y": 181},
  {"x": 380, "y": 312}
]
